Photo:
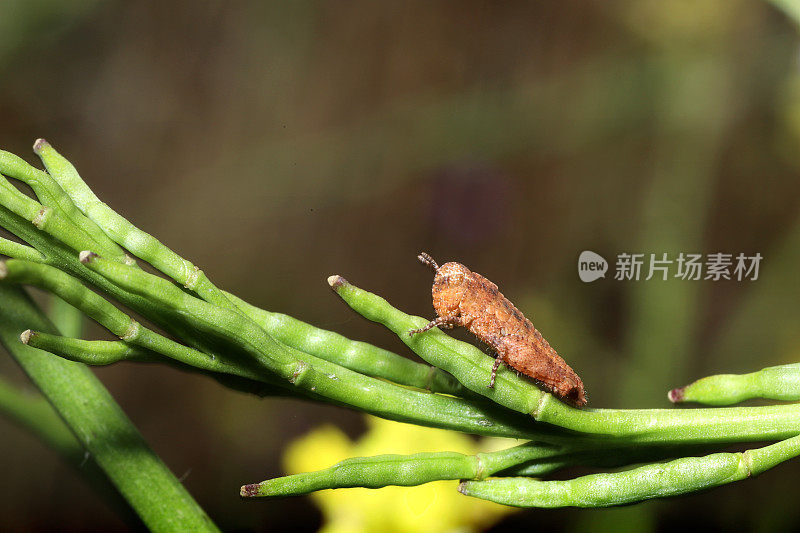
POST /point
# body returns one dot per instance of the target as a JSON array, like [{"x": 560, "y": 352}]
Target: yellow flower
[{"x": 428, "y": 508}]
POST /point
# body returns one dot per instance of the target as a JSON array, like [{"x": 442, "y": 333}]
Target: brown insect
[{"x": 463, "y": 298}]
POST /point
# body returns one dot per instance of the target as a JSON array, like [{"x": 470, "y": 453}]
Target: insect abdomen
[
  {"x": 534, "y": 357},
  {"x": 463, "y": 298},
  {"x": 492, "y": 318}
]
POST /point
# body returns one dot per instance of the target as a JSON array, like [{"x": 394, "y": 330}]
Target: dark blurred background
[{"x": 277, "y": 143}]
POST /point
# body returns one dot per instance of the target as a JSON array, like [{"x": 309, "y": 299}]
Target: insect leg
[
  {"x": 495, "y": 366},
  {"x": 441, "y": 322}
]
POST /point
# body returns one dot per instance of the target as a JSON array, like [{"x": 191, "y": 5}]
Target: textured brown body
[{"x": 464, "y": 298}]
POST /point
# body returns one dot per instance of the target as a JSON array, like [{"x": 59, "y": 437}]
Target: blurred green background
[{"x": 275, "y": 144}]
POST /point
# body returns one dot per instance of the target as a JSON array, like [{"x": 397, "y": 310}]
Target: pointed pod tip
[
  {"x": 336, "y": 281},
  {"x": 676, "y": 395},
  {"x": 462, "y": 487},
  {"x": 25, "y": 336},
  {"x": 41, "y": 217},
  {"x": 248, "y": 491},
  {"x": 86, "y": 256},
  {"x": 39, "y": 145}
]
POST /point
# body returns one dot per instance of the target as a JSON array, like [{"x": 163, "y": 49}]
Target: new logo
[{"x": 591, "y": 266}]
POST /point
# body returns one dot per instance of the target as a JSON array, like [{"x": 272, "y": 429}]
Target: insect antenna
[{"x": 428, "y": 260}]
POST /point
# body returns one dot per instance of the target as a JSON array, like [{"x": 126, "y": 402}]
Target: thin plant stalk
[
  {"x": 687, "y": 474},
  {"x": 772, "y": 383},
  {"x": 529, "y": 459},
  {"x": 100, "y": 425}
]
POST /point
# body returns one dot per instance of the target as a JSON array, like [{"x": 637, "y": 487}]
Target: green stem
[
  {"x": 93, "y": 353},
  {"x": 425, "y": 409},
  {"x": 53, "y": 197},
  {"x": 66, "y": 318},
  {"x": 688, "y": 474},
  {"x": 604, "y": 457},
  {"x": 358, "y": 356},
  {"x": 147, "y": 247},
  {"x": 400, "y": 470},
  {"x": 63, "y": 258},
  {"x": 100, "y": 425},
  {"x": 123, "y": 232},
  {"x": 529, "y": 459},
  {"x": 326, "y": 380},
  {"x": 468, "y": 364},
  {"x": 34, "y": 414},
  {"x": 473, "y": 368},
  {"x": 57, "y": 257},
  {"x": 98, "y": 308},
  {"x": 19, "y": 251},
  {"x": 305, "y": 372},
  {"x": 44, "y": 218},
  {"x": 100, "y": 353},
  {"x": 773, "y": 383},
  {"x": 57, "y": 240},
  {"x": 416, "y": 375},
  {"x": 74, "y": 236}
]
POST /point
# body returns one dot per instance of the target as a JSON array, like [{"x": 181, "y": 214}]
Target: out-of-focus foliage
[{"x": 26, "y": 27}]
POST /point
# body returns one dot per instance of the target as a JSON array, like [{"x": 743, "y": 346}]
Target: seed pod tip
[
  {"x": 39, "y": 145},
  {"x": 336, "y": 281},
  {"x": 41, "y": 217},
  {"x": 676, "y": 395},
  {"x": 25, "y": 336},
  {"x": 248, "y": 491},
  {"x": 86, "y": 256}
]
